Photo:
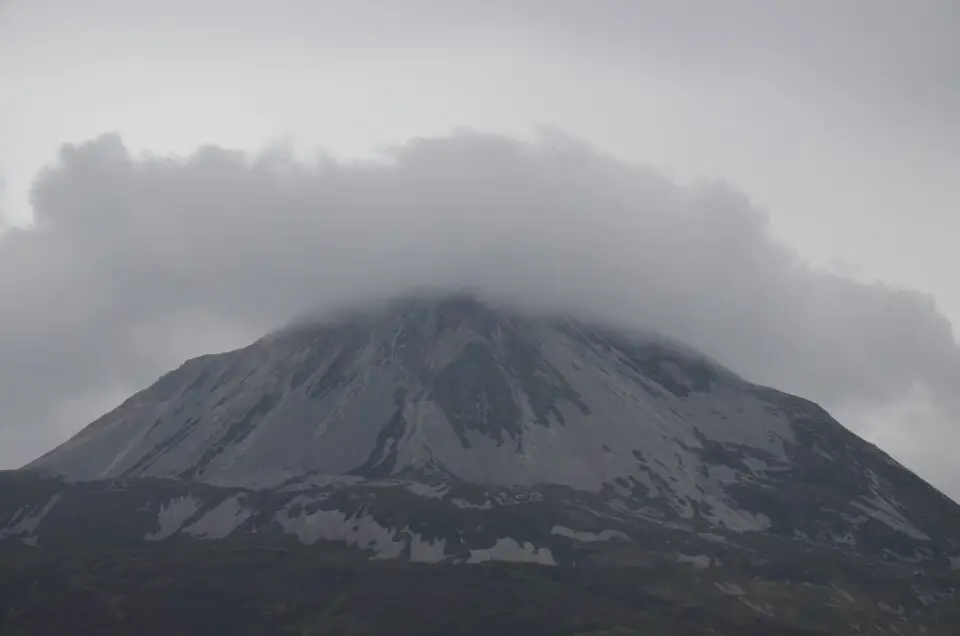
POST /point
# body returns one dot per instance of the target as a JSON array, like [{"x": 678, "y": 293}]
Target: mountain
[{"x": 447, "y": 430}]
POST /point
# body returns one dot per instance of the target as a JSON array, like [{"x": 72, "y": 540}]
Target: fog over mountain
[{"x": 135, "y": 263}]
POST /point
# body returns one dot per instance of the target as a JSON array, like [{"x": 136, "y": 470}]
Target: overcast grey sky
[{"x": 773, "y": 182}]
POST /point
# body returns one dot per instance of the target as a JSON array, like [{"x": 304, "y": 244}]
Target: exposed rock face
[
  {"x": 453, "y": 388},
  {"x": 447, "y": 430},
  {"x": 450, "y": 384}
]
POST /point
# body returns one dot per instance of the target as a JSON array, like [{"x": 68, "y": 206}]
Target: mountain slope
[
  {"x": 666, "y": 494},
  {"x": 484, "y": 393},
  {"x": 451, "y": 388}
]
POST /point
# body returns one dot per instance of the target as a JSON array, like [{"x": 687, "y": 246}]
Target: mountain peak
[
  {"x": 462, "y": 390},
  {"x": 420, "y": 376}
]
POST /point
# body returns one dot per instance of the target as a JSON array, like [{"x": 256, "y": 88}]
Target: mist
[{"x": 137, "y": 262}]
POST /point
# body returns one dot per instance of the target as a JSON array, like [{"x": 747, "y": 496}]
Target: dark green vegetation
[{"x": 218, "y": 589}]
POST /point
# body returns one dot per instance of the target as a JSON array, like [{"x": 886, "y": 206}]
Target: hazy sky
[{"x": 775, "y": 182}]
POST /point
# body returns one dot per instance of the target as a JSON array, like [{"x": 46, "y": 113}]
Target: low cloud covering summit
[{"x": 135, "y": 263}]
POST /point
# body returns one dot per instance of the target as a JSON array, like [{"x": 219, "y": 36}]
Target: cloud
[{"x": 137, "y": 262}]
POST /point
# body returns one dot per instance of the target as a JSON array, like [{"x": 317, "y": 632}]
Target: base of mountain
[{"x": 202, "y": 588}]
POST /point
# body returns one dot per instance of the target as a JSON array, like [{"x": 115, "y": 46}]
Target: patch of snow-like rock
[
  {"x": 737, "y": 520},
  {"x": 885, "y": 512},
  {"x": 723, "y": 474},
  {"x": 423, "y": 551},
  {"x": 713, "y": 538},
  {"x": 360, "y": 531},
  {"x": 464, "y": 504},
  {"x": 221, "y": 521},
  {"x": 508, "y": 549},
  {"x": 26, "y": 520},
  {"x": 173, "y": 515},
  {"x": 730, "y": 589},
  {"x": 765, "y": 611}
]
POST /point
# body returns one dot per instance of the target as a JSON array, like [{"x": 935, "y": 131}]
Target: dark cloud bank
[{"x": 135, "y": 263}]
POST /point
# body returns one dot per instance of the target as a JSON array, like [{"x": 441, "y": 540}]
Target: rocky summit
[{"x": 450, "y": 431}]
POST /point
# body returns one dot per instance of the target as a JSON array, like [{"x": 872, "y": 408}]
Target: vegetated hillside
[{"x": 227, "y": 589}]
